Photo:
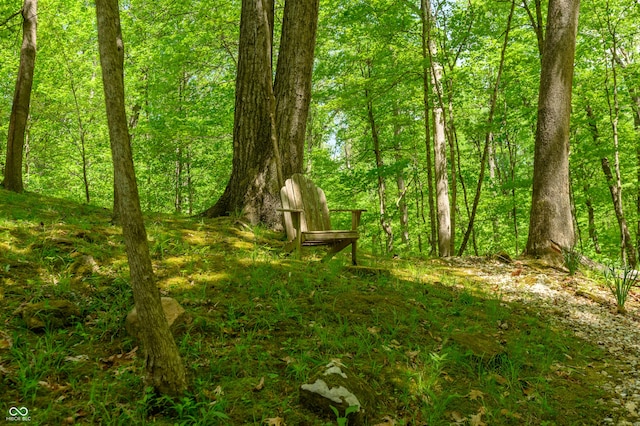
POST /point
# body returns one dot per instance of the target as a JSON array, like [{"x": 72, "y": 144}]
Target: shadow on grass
[{"x": 430, "y": 342}]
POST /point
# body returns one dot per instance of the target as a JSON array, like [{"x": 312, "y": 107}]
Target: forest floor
[{"x": 417, "y": 330}]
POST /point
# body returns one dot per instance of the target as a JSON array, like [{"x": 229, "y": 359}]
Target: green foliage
[
  {"x": 620, "y": 281},
  {"x": 571, "y": 260},
  {"x": 344, "y": 420}
]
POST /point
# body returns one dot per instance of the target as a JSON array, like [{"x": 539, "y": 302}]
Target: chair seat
[{"x": 327, "y": 236}]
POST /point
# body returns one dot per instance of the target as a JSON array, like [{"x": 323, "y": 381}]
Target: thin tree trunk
[
  {"x": 81, "y": 135},
  {"x": 628, "y": 251},
  {"x": 442, "y": 181},
  {"x": 495, "y": 223},
  {"x": 190, "y": 190},
  {"x": 426, "y": 78},
  {"x": 513, "y": 150},
  {"x": 177, "y": 204},
  {"x": 450, "y": 133},
  {"x": 443, "y": 208},
  {"x": 489, "y": 135},
  {"x": 536, "y": 23},
  {"x": 165, "y": 371},
  {"x": 401, "y": 204},
  {"x": 403, "y": 208},
  {"x": 593, "y": 230},
  {"x": 382, "y": 192},
  {"x": 21, "y": 99},
  {"x": 627, "y": 246},
  {"x": 623, "y": 60}
]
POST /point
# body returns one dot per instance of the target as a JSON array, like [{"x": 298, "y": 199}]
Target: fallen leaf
[
  {"x": 288, "y": 360},
  {"x": 53, "y": 386},
  {"x": 457, "y": 417},
  {"x": 447, "y": 377},
  {"x": 386, "y": 421},
  {"x": 475, "y": 394},
  {"x": 119, "y": 358},
  {"x": 476, "y": 420},
  {"x": 260, "y": 385},
  {"x": 508, "y": 413},
  {"x": 412, "y": 355},
  {"x": 78, "y": 358},
  {"x": 501, "y": 380},
  {"x": 275, "y": 421},
  {"x": 5, "y": 341}
]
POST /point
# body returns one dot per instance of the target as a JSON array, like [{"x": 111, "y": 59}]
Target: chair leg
[
  {"x": 336, "y": 248},
  {"x": 354, "y": 248}
]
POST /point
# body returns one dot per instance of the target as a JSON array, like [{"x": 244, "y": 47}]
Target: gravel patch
[{"x": 587, "y": 309}]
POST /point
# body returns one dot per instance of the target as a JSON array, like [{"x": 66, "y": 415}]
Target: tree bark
[
  {"x": 443, "y": 209},
  {"x": 292, "y": 86},
  {"x": 254, "y": 186},
  {"x": 616, "y": 196},
  {"x": 425, "y": 15},
  {"x": 401, "y": 204},
  {"x": 21, "y": 99},
  {"x": 623, "y": 60},
  {"x": 442, "y": 181},
  {"x": 165, "y": 371},
  {"x": 628, "y": 251},
  {"x": 550, "y": 219}
]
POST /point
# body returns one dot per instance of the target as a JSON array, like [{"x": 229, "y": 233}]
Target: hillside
[{"x": 464, "y": 341}]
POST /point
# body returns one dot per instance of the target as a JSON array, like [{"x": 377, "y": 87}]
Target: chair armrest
[
  {"x": 355, "y": 216},
  {"x": 296, "y": 221}
]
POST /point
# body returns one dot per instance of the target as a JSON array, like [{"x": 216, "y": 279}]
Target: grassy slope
[{"x": 258, "y": 314}]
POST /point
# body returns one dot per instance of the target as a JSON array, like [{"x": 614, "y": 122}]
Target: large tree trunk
[
  {"x": 165, "y": 371},
  {"x": 292, "y": 86},
  {"x": 21, "y": 99},
  {"x": 252, "y": 189},
  {"x": 550, "y": 218},
  {"x": 257, "y": 172}
]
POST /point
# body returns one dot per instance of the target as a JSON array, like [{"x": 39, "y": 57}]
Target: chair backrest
[{"x": 301, "y": 193}]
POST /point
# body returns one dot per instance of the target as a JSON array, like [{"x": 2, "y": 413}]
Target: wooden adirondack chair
[{"x": 306, "y": 219}]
